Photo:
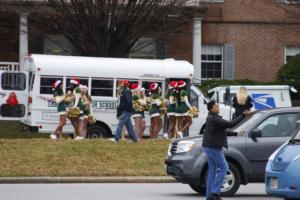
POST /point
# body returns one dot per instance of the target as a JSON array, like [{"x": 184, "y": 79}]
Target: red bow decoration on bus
[{"x": 12, "y": 99}]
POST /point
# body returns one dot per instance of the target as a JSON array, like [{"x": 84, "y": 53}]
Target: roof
[
  {"x": 251, "y": 87},
  {"x": 108, "y": 67}
]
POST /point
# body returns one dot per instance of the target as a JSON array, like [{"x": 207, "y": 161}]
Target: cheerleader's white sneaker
[
  {"x": 180, "y": 135},
  {"x": 78, "y": 138},
  {"x": 53, "y": 136},
  {"x": 166, "y": 136}
]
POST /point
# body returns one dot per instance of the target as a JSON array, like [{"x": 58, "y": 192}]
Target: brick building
[{"x": 231, "y": 39}]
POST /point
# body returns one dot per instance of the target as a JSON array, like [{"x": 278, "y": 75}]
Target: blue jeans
[
  {"x": 217, "y": 170},
  {"x": 125, "y": 120}
]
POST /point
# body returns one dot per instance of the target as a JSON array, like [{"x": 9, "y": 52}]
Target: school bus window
[
  {"x": 146, "y": 85},
  {"x": 102, "y": 88},
  {"x": 83, "y": 81},
  {"x": 31, "y": 80},
  {"x": 129, "y": 83},
  {"x": 13, "y": 81},
  {"x": 46, "y": 84}
]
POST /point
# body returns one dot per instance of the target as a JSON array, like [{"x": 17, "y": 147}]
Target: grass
[{"x": 27, "y": 154}]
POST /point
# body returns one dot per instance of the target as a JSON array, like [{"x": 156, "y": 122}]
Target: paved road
[{"x": 164, "y": 191}]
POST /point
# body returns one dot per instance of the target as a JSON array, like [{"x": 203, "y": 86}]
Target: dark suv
[{"x": 247, "y": 155}]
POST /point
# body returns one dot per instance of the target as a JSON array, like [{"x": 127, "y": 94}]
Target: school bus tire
[{"x": 96, "y": 131}]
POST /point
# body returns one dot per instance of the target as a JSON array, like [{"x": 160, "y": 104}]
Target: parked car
[
  {"x": 247, "y": 155},
  {"x": 282, "y": 171}
]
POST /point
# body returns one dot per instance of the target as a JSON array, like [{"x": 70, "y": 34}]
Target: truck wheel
[
  {"x": 97, "y": 131},
  {"x": 231, "y": 182},
  {"x": 198, "y": 188}
]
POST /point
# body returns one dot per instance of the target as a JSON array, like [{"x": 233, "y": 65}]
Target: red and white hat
[
  {"x": 84, "y": 87},
  {"x": 75, "y": 81},
  {"x": 173, "y": 84},
  {"x": 125, "y": 82},
  {"x": 135, "y": 86},
  {"x": 153, "y": 86},
  {"x": 56, "y": 83},
  {"x": 181, "y": 84}
]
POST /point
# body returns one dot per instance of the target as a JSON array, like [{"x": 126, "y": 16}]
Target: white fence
[{"x": 9, "y": 66}]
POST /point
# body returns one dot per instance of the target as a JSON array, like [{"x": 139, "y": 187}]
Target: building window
[
  {"x": 102, "y": 87},
  {"x": 291, "y": 52},
  {"x": 144, "y": 48},
  {"x": 292, "y": 1},
  {"x": 212, "y": 62},
  {"x": 57, "y": 45}
]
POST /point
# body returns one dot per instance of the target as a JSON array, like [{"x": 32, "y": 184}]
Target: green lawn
[{"x": 27, "y": 154}]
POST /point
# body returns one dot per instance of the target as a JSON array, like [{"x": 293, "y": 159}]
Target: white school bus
[{"x": 36, "y": 108}]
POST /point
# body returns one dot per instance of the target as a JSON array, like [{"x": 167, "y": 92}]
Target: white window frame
[
  {"x": 292, "y": 2},
  {"x": 221, "y": 61},
  {"x": 286, "y": 49}
]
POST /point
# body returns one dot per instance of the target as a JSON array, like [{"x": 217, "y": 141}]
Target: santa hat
[
  {"x": 135, "y": 86},
  {"x": 75, "y": 81},
  {"x": 56, "y": 83},
  {"x": 181, "y": 84},
  {"x": 153, "y": 86},
  {"x": 142, "y": 89},
  {"x": 125, "y": 82},
  {"x": 84, "y": 87},
  {"x": 173, "y": 84}
]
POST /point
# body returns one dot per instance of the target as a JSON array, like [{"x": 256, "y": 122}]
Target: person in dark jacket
[
  {"x": 214, "y": 140},
  {"x": 241, "y": 102},
  {"x": 124, "y": 112}
]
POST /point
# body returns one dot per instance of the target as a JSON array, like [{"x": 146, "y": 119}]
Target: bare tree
[{"x": 110, "y": 27}]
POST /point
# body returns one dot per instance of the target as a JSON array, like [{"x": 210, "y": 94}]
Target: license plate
[{"x": 274, "y": 183}]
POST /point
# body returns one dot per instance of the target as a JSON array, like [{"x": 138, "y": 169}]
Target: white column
[
  {"x": 23, "y": 40},
  {"x": 197, "y": 49}
]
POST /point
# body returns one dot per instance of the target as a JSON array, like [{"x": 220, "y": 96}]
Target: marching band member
[
  {"x": 59, "y": 97},
  {"x": 156, "y": 121},
  {"x": 171, "y": 96},
  {"x": 182, "y": 108}
]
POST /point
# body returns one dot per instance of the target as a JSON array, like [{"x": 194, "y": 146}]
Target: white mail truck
[
  {"x": 264, "y": 96},
  {"x": 27, "y": 95}
]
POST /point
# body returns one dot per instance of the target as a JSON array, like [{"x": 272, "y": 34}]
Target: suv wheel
[
  {"x": 198, "y": 188},
  {"x": 232, "y": 181}
]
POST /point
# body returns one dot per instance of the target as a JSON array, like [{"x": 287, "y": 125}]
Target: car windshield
[
  {"x": 297, "y": 136},
  {"x": 246, "y": 122}
]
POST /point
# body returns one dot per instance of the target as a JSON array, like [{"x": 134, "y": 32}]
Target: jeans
[
  {"x": 217, "y": 170},
  {"x": 125, "y": 120}
]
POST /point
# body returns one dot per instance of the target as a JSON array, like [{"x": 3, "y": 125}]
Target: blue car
[{"x": 282, "y": 177}]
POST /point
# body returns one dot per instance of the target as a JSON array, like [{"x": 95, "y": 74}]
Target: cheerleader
[
  {"x": 171, "y": 110},
  {"x": 182, "y": 107},
  {"x": 59, "y": 97},
  {"x": 87, "y": 109},
  {"x": 143, "y": 102},
  {"x": 156, "y": 121},
  {"x": 138, "y": 110},
  {"x": 77, "y": 122}
]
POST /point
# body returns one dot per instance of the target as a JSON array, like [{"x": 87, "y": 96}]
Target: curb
[{"x": 81, "y": 179}]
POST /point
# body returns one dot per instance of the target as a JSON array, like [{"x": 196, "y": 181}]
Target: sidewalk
[{"x": 85, "y": 179}]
